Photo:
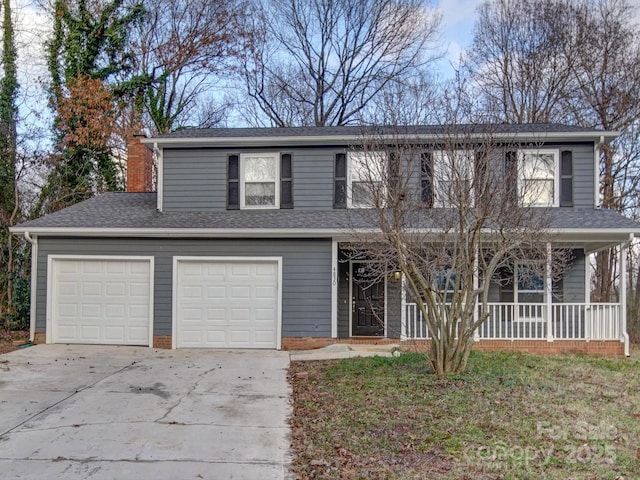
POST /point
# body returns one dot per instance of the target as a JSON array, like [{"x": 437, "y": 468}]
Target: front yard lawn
[{"x": 511, "y": 416}]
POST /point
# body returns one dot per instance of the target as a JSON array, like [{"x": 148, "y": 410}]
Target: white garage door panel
[
  {"x": 227, "y": 304},
  {"x": 101, "y": 301}
]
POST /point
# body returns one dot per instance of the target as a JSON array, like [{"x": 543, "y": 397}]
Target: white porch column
[
  {"x": 623, "y": 296},
  {"x": 548, "y": 294},
  {"x": 476, "y": 273},
  {"x": 334, "y": 288},
  {"x": 403, "y": 309},
  {"x": 587, "y": 296}
]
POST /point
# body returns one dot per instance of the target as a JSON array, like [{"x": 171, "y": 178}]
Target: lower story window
[{"x": 529, "y": 283}]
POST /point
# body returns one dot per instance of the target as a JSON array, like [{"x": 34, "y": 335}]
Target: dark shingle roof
[
  {"x": 352, "y": 130},
  {"x": 138, "y": 211}
]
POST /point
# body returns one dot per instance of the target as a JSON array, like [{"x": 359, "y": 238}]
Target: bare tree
[
  {"x": 451, "y": 227},
  {"x": 320, "y": 62},
  {"x": 181, "y": 50},
  {"x": 574, "y": 61},
  {"x": 605, "y": 92},
  {"x": 520, "y": 59}
]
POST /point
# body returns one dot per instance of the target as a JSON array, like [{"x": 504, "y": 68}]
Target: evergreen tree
[{"x": 9, "y": 207}]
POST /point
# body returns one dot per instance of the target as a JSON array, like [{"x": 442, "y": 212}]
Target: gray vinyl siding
[
  {"x": 313, "y": 179},
  {"x": 574, "y": 278},
  {"x": 394, "y": 308},
  {"x": 195, "y": 179},
  {"x": 306, "y": 264},
  {"x": 583, "y": 175}
]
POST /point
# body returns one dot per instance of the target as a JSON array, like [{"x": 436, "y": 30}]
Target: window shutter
[
  {"x": 233, "y": 182},
  {"x": 566, "y": 179},
  {"x": 479, "y": 181},
  {"x": 426, "y": 178},
  {"x": 394, "y": 190},
  {"x": 286, "y": 181},
  {"x": 340, "y": 181},
  {"x": 511, "y": 176}
]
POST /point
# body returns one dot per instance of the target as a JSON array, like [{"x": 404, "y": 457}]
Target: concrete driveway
[{"x": 99, "y": 412}]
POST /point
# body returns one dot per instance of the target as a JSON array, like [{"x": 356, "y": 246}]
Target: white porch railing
[{"x": 528, "y": 321}]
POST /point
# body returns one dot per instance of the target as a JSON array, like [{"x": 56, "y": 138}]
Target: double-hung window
[
  {"x": 538, "y": 178},
  {"x": 453, "y": 177},
  {"x": 366, "y": 174},
  {"x": 259, "y": 180},
  {"x": 446, "y": 280},
  {"x": 529, "y": 283}
]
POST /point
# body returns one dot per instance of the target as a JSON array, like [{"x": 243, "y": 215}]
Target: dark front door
[{"x": 367, "y": 302}]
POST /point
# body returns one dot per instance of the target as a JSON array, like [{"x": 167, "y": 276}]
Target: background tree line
[{"x": 116, "y": 67}]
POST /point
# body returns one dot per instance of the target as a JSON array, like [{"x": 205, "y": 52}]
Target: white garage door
[
  {"x": 101, "y": 301},
  {"x": 232, "y": 304}
]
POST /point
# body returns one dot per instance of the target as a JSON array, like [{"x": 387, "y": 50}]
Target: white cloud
[
  {"x": 457, "y": 12},
  {"x": 32, "y": 27},
  {"x": 458, "y": 17}
]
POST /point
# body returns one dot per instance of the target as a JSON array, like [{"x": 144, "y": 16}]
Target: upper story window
[
  {"x": 453, "y": 177},
  {"x": 366, "y": 174},
  {"x": 260, "y": 180},
  {"x": 538, "y": 178}
]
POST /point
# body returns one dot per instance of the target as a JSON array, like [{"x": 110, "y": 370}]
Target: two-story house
[{"x": 241, "y": 245}]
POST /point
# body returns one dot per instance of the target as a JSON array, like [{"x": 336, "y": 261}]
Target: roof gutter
[
  {"x": 34, "y": 281},
  {"x": 272, "y": 232},
  {"x": 356, "y": 139}
]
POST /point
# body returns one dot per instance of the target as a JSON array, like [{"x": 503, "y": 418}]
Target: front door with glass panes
[{"x": 367, "y": 301}]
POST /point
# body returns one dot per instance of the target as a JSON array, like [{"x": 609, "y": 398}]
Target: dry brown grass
[{"x": 511, "y": 416}]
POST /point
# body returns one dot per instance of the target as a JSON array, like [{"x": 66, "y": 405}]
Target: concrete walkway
[
  {"x": 342, "y": 350},
  {"x": 87, "y": 412}
]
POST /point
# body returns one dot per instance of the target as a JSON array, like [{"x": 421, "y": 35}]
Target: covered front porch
[{"x": 550, "y": 313}]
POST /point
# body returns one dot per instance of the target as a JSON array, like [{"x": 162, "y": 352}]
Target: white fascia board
[
  {"x": 186, "y": 232},
  {"x": 357, "y": 139},
  {"x": 570, "y": 234}
]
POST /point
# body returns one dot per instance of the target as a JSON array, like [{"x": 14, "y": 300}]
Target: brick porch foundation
[
  {"x": 542, "y": 347},
  {"x": 39, "y": 337}
]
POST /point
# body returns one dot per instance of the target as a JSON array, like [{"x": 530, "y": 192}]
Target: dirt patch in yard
[{"x": 11, "y": 340}]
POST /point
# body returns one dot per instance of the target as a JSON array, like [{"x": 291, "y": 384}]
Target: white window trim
[
  {"x": 349, "y": 165},
  {"x": 243, "y": 157},
  {"x": 556, "y": 173},
  {"x": 440, "y": 159}
]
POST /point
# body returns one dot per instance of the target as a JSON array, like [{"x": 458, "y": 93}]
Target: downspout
[
  {"x": 34, "y": 280},
  {"x": 158, "y": 152},
  {"x": 596, "y": 167},
  {"x": 623, "y": 294}
]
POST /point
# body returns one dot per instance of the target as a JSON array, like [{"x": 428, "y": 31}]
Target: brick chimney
[{"x": 139, "y": 165}]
